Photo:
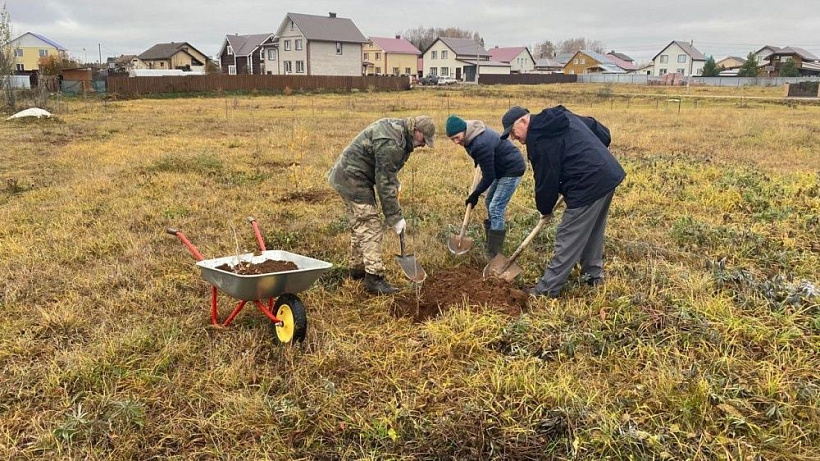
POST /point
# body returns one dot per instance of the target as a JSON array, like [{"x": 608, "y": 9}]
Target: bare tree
[
  {"x": 545, "y": 49},
  {"x": 422, "y": 37},
  {"x": 6, "y": 55},
  {"x": 571, "y": 45}
]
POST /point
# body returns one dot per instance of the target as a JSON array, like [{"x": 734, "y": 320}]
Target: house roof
[
  {"x": 395, "y": 45},
  {"x": 166, "y": 51},
  {"x": 793, "y": 50},
  {"x": 327, "y": 28},
  {"x": 625, "y": 65},
  {"x": 507, "y": 54},
  {"x": 773, "y": 49},
  {"x": 621, "y": 56},
  {"x": 244, "y": 45},
  {"x": 463, "y": 46},
  {"x": 604, "y": 63},
  {"x": 563, "y": 58},
  {"x": 687, "y": 48},
  {"x": 45, "y": 39},
  {"x": 486, "y": 63},
  {"x": 548, "y": 62}
]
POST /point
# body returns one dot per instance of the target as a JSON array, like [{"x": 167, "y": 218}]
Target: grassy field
[{"x": 703, "y": 343}]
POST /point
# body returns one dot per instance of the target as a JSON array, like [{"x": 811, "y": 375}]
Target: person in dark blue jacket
[
  {"x": 569, "y": 156},
  {"x": 502, "y": 166}
]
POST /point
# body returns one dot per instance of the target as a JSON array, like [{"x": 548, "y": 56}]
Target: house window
[
  {"x": 443, "y": 54},
  {"x": 230, "y": 50},
  {"x": 664, "y": 59},
  {"x": 288, "y": 68},
  {"x": 20, "y": 67},
  {"x": 231, "y": 70},
  {"x": 43, "y": 53},
  {"x": 291, "y": 25},
  {"x": 662, "y": 72},
  {"x": 407, "y": 71},
  {"x": 434, "y": 55},
  {"x": 378, "y": 71},
  {"x": 338, "y": 47},
  {"x": 297, "y": 44},
  {"x": 378, "y": 56},
  {"x": 18, "y": 53},
  {"x": 575, "y": 61},
  {"x": 681, "y": 58},
  {"x": 287, "y": 45},
  {"x": 367, "y": 56},
  {"x": 395, "y": 71},
  {"x": 433, "y": 71},
  {"x": 681, "y": 71},
  {"x": 445, "y": 71},
  {"x": 300, "y": 67},
  {"x": 572, "y": 71},
  {"x": 583, "y": 60},
  {"x": 271, "y": 55},
  {"x": 162, "y": 64}
]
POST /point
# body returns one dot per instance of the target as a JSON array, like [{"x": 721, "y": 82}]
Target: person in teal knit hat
[{"x": 502, "y": 165}]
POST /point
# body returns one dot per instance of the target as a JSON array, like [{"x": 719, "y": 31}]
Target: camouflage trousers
[{"x": 365, "y": 237}]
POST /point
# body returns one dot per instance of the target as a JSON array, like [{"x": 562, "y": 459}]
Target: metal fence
[
  {"x": 208, "y": 83},
  {"x": 525, "y": 79},
  {"x": 74, "y": 87},
  {"x": 17, "y": 82},
  {"x": 638, "y": 79}
]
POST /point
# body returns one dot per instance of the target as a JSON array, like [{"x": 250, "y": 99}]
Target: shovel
[
  {"x": 459, "y": 244},
  {"x": 411, "y": 268},
  {"x": 506, "y": 268}
]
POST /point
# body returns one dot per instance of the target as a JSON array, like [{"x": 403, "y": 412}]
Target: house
[
  {"x": 679, "y": 57},
  {"x": 623, "y": 61},
  {"x": 245, "y": 54},
  {"x": 548, "y": 66},
  {"x": 389, "y": 56},
  {"x": 591, "y": 62},
  {"x": 121, "y": 63},
  {"x": 730, "y": 63},
  {"x": 307, "y": 44},
  {"x": 762, "y": 55},
  {"x": 646, "y": 69},
  {"x": 518, "y": 57},
  {"x": 29, "y": 48},
  {"x": 462, "y": 58},
  {"x": 174, "y": 55},
  {"x": 805, "y": 62}
]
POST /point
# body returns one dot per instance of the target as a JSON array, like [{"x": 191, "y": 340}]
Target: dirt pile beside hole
[
  {"x": 265, "y": 267},
  {"x": 449, "y": 287}
]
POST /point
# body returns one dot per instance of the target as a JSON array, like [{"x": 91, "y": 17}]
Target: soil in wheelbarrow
[
  {"x": 449, "y": 287},
  {"x": 267, "y": 266}
]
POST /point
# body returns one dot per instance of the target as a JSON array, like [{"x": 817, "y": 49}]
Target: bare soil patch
[
  {"x": 265, "y": 267},
  {"x": 451, "y": 286}
]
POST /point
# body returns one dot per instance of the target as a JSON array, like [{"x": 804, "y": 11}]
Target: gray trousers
[{"x": 580, "y": 236}]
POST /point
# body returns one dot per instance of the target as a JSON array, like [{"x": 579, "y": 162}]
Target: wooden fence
[
  {"x": 129, "y": 86},
  {"x": 525, "y": 79},
  {"x": 803, "y": 90}
]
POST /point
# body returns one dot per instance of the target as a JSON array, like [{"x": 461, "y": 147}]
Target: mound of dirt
[
  {"x": 451, "y": 286},
  {"x": 268, "y": 266}
]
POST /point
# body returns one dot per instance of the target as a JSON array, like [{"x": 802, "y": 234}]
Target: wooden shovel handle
[
  {"x": 476, "y": 180},
  {"x": 528, "y": 240}
]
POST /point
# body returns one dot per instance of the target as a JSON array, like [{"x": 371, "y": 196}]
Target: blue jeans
[{"x": 498, "y": 196}]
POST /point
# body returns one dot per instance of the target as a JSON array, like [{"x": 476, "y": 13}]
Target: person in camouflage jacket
[{"x": 369, "y": 166}]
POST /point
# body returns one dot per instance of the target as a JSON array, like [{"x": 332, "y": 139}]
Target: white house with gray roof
[
  {"x": 460, "y": 58},
  {"x": 679, "y": 57},
  {"x": 316, "y": 45}
]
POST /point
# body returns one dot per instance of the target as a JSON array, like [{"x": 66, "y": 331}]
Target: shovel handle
[
  {"x": 464, "y": 224},
  {"x": 528, "y": 240},
  {"x": 401, "y": 242}
]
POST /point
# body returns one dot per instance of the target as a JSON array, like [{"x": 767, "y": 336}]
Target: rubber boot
[
  {"x": 376, "y": 284},
  {"x": 486, "y": 230},
  {"x": 495, "y": 242},
  {"x": 356, "y": 273}
]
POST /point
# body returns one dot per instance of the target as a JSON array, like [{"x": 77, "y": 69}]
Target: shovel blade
[
  {"x": 459, "y": 246},
  {"x": 411, "y": 268},
  {"x": 498, "y": 268}
]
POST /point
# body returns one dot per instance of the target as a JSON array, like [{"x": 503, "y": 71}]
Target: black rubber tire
[{"x": 281, "y": 335}]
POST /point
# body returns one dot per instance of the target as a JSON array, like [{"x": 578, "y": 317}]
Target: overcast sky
[{"x": 639, "y": 28}]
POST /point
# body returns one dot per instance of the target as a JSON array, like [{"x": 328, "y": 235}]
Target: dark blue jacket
[
  {"x": 569, "y": 155},
  {"x": 497, "y": 158}
]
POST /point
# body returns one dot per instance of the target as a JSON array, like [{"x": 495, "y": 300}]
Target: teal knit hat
[{"x": 455, "y": 125}]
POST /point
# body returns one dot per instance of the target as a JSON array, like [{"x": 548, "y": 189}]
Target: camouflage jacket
[{"x": 372, "y": 160}]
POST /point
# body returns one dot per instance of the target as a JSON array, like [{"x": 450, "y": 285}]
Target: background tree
[
  {"x": 422, "y": 37},
  {"x": 710, "y": 69},
  {"x": 53, "y": 65},
  {"x": 789, "y": 69},
  {"x": 749, "y": 68},
  {"x": 545, "y": 49},
  {"x": 571, "y": 45},
  {"x": 6, "y": 54}
]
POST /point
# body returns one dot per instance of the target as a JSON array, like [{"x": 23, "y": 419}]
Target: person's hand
[
  {"x": 471, "y": 200},
  {"x": 400, "y": 226}
]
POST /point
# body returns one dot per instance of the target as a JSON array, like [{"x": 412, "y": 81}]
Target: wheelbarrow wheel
[{"x": 290, "y": 310}]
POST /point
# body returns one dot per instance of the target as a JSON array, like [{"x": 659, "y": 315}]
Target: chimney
[
  {"x": 398, "y": 36},
  {"x": 331, "y": 14}
]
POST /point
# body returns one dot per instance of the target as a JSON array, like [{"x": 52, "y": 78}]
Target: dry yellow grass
[{"x": 702, "y": 344}]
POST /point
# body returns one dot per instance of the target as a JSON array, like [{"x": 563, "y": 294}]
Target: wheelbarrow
[{"x": 278, "y": 289}]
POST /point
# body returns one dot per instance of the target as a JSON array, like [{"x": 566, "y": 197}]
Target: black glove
[{"x": 471, "y": 200}]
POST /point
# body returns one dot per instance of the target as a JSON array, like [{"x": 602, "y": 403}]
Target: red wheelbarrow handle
[
  {"x": 194, "y": 252},
  {"x": 257, "y": 232}
]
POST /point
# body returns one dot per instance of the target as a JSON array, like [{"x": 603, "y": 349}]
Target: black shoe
[
  {"x": 592, "y": 281},
  {"x": 495, "y": 242},
  {"x": 356, "y": 273},
  {"x": 376, "y": 284}
]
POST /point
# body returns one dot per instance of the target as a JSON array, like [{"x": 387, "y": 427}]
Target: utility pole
[{"x": 99, "y": 48}]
